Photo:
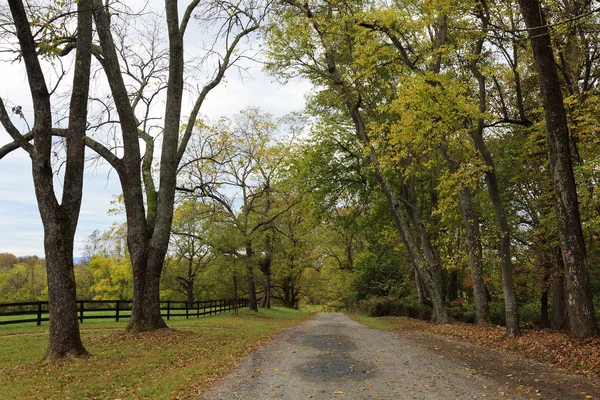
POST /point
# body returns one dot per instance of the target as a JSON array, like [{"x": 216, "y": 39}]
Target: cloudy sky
[{"x": 20, "y": 225}]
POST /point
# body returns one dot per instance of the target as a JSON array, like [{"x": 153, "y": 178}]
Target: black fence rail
[{"x": 37, "y": 311}]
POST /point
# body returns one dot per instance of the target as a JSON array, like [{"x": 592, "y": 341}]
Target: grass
[{"x": 171, "y": 363}]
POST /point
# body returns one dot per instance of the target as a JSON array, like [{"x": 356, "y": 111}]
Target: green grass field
[{"x": 173, "y": 363}]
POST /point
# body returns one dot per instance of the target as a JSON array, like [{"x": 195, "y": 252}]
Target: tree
[
  {"x": 582, "y": 318},
  {"x": 111, "y": 278},
  {"x": 240, "y": 184},
  {"x": 189, "y": 248},
  {"x": 59, "y": 218},
  {"x": 148, "y": 204},
  {"x": 7, "y": 260},
  {"x": 24, "y": 280},
  {"x": 333, "y": 31}
]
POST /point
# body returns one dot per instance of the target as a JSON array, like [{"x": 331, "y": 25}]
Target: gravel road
[{"x": 333, "y": 357}]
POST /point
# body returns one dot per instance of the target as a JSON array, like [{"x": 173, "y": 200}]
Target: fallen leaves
[{"x": 548, "y": 346}]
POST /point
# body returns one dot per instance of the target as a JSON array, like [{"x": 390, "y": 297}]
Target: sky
[{"x": 21, "y": 231}]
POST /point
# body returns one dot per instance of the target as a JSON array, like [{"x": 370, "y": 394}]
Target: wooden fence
[{"x": 37, "y": 311}]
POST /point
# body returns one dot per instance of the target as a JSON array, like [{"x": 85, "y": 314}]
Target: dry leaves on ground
[{"x": 548, "y": 346}]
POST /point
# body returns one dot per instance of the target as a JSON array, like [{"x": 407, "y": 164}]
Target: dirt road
[{"x": 332, "y": 357}]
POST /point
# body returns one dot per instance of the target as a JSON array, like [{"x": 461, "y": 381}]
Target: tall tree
[
  {"x": 333, "y": 31},
  {"x": 189, "y": 247},
  {"x": 582, "y": 318},
  {"x": 240, "y": 183},
  {"x": 58, "y": 218},
  {"x": 149, "y": 204}
]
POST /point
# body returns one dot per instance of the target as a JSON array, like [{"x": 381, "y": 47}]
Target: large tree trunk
[
  {"x": 265, "y": 302},
  {"x": 421, "y": 290},
  {"x": 64, "y": 335},
  {"x": 145, "y": 311},
  {"x": 59, "y": 219},
  {"x": 559, "y": 318},
  {"x": 147, "y": 239},
  {"x": 582, "y": 317}
]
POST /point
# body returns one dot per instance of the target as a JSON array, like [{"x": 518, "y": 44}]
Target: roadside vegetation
[
  {"x": 168, "y": 363},
  {"x": 548, "y": 346}
]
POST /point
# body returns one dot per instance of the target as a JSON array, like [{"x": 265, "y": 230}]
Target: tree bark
[
  {"x": 430, "y": 253},
  {"x": 471, "y": 223},
  {"x": 510, "y": 302},
  {"x": 265, "y": 267},
  {"x": 252, "y": 302},
  {"x": 482, "y": 309},
  {"x": 582, "y": 317},
  {"x": 63, "y": 332},
  {"x": 559, "y": 308},
  {"x": 59, "y": 219}
]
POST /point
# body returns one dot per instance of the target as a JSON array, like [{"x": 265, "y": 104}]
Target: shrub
[
  {"x": 378, "y": 306},
  {"x": 463, "y": 313}
]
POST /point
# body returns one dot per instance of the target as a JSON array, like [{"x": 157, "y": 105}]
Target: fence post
[
  {"x": 168, "y": 309},
  {"x": 197, "y": 309},
  {"x": 81, "y": 311},
  {"x": 117, "y": 311},
  {"x": 39, "y": 313},
  {"x": 187, "y": 310}
]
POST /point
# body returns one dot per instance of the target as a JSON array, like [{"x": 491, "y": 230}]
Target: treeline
[{"x": 474, "y": 126}]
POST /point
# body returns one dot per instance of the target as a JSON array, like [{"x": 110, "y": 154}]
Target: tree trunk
[
  {"x": 64, "y": 335},
  {"x": 252, "y": 302},
  {"x": 582, "y": 317},
  {"x": 559, "y": 307},
  {"x": 510, "y": 301},
  {"x": 265, "y": 302},
  {"x": 452, "y": 293},
  {"x": 429, "y": 251},
  {"x": 471, "y": 222},
  {"x": 59, "y": 219},
  {"x": 145, "y": 309},
  {"x": 421, "y": 291},
  {"x": 482, "y": 309}
]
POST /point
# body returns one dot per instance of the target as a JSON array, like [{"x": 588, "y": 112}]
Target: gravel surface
[{"x": 333, "y": 357}]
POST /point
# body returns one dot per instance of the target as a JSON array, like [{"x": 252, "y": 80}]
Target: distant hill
[{"x": 77, "y": 260}]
